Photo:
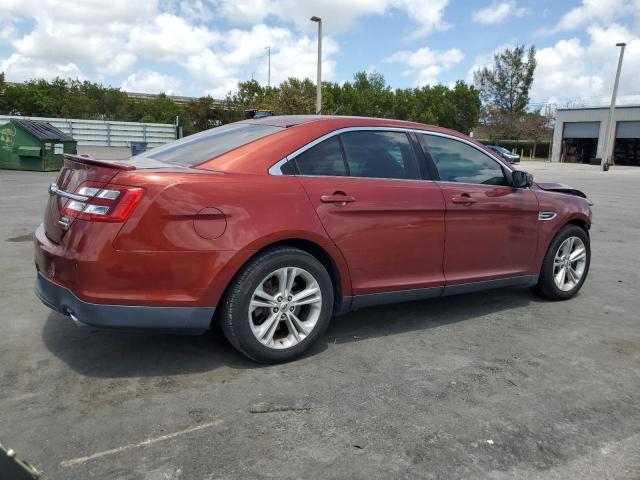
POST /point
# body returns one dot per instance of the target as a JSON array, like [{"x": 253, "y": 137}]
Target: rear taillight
[{"x": 110, "y": 203}]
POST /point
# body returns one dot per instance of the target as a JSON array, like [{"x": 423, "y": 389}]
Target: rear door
[
  {"x": 491, "y": 227},
  {"x": 368, "y": 191}
]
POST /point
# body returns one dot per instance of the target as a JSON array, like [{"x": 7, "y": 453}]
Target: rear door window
[
  {"x": 380, "y": 154},
  {"x": 457, "y": 161},
  {"x": 324, "y": 159}
]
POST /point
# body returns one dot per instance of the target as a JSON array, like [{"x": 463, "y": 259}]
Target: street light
[
  {"x": 269, "y": 74},
  {"x": 319, "y": 82},
  {"x": 609, "y": 130}
]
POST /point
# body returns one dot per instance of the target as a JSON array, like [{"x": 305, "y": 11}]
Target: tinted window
[
  {"x": 325, "y": 158},
  {"x": 458, "y": 162},
  {"x": 379, "y": 154},
  {"x": 203, "y": 146}
]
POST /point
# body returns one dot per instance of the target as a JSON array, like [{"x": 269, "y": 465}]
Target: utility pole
[
  {"x": 609, "y": 130},
  {"x": 318, "y": 20},
  {"x": 269, "y": 74}
]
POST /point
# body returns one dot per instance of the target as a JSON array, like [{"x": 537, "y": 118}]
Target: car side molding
[{"x": 371, "y": 299}]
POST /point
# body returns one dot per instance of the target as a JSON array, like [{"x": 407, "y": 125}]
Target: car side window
[
  {"x": 458, "y": 162},
  {"x": 325, "y": 158},
  {"x": 380, "y": 154}
]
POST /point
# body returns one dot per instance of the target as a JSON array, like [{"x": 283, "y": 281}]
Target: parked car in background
[
  {"x": 273, "y": 226},
  {"x": 506, "y": 154}
]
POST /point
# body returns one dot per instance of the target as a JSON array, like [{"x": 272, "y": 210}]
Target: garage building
[{"x": 579, "y": 135}]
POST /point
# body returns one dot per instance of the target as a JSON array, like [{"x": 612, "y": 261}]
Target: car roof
[{"x": 287, "y": 121}]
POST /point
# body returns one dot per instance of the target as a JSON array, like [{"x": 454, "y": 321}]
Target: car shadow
[
  {"x": 119, "y": 354},
  {"x": 399, "y": 318}
]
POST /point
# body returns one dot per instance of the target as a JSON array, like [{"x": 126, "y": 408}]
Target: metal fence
[{"x": 100, "y": 133}]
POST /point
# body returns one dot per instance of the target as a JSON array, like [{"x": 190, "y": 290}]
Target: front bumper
[{"x": 174, "y": 319}]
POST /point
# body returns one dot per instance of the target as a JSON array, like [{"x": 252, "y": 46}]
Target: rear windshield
[{"x": 203, "y": 146}]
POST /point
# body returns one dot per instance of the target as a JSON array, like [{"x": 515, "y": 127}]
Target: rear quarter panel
[{"x": 258, "y": 210}]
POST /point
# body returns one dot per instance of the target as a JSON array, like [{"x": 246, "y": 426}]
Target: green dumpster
[{"x": 31, "y": 145}]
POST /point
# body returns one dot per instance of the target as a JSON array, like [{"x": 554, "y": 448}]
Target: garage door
[
  {"x": 628, "y": 130},
  {"x": 581, "y": 130}
]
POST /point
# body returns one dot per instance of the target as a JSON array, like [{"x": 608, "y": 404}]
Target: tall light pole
[
  {"x": 319, "y": 82},
  {"x": 609, "y": 130},
  {"x": 269, "y": 71}
]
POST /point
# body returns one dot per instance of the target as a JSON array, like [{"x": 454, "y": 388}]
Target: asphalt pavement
[{"x": 498, "y": 384}]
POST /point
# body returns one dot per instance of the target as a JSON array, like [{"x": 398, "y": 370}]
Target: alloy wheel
[
  {"x": 569, "y": 263},
  {"x": 285, "y": 307}
]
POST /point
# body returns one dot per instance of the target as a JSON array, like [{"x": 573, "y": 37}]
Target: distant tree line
[
  {"x": 367, "y": 95},
  {"x": 456, "y": 107}
]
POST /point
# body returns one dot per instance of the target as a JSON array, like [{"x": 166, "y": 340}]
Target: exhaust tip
[{"x": 75, "y": 319}]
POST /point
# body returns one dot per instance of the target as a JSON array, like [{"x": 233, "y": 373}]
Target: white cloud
[
  {"x": 572, "y": 70},
  {"x": 78, "y": 11},
  {"x": 195, "y": 10},
  {"x": 19, "y": 68},
  {"x": 602, "y": 12},
  {"x": 118, "y": 64},
  {"x": 425, "y": 65},
  {"x": 146, "y": 81},
  {"x": 498, "y": 12},
  {"x": 429, "y": 14},
  {"x": 338, "y": 15},
  {"x": 83, "y": 33},
  {"x": 168, "y": 37},
  {"x": 7, "y": 30},
  {"x": 67, "y": 39},
  {"x": 218, "y": 70}
]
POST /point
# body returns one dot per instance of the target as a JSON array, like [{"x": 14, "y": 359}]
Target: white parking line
[{"x": 144, "y": 443}]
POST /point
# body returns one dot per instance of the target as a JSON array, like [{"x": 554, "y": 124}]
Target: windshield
[{"x": 203, "y": 146}]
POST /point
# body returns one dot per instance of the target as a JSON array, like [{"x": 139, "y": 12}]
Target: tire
[
  {"x": 547, "y": 286},
  {"x": 243, "y": 322}
]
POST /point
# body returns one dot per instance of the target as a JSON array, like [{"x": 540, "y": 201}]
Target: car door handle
[
  {"x": 464, "y": 199},
  {"x": 338, "y": 198}
]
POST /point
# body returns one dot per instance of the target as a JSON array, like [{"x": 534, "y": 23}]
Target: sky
[{"x": 205, "y": 47}]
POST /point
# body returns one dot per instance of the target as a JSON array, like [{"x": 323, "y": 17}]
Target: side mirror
[{"x": 520, "y": 179}]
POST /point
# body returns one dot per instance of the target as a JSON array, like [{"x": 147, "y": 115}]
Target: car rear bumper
[{"x": 173, "y": 319}]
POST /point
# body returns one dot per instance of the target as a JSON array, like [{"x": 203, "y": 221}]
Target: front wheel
[
  {"x": 278, "y": 305},
  {"x": 565, "y": 265}
]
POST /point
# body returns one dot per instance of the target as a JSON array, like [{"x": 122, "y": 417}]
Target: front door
[
  {"x": 387, "y": 222},
  {"x": 491, "y": 227}
]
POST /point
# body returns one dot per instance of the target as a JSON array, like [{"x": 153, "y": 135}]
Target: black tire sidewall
[
  {"x": 548, "y": 284},
  {"x": 236, "y": 323}
]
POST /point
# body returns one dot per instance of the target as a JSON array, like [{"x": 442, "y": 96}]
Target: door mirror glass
[{"x": 520, "y": 179}]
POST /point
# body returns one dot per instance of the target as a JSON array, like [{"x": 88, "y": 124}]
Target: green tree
[
  {"x": 506, "y": 84},
  {"x": 536, "y": 127},
  {"x": 296, "y": 97},
  {"x": 3, "y": 96},
  {"x": 368, "y": 95}
]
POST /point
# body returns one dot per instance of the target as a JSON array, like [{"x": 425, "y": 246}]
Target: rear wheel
[
  {"x": 278, "y": 305},
  {"x": 565, "y": 265}
]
